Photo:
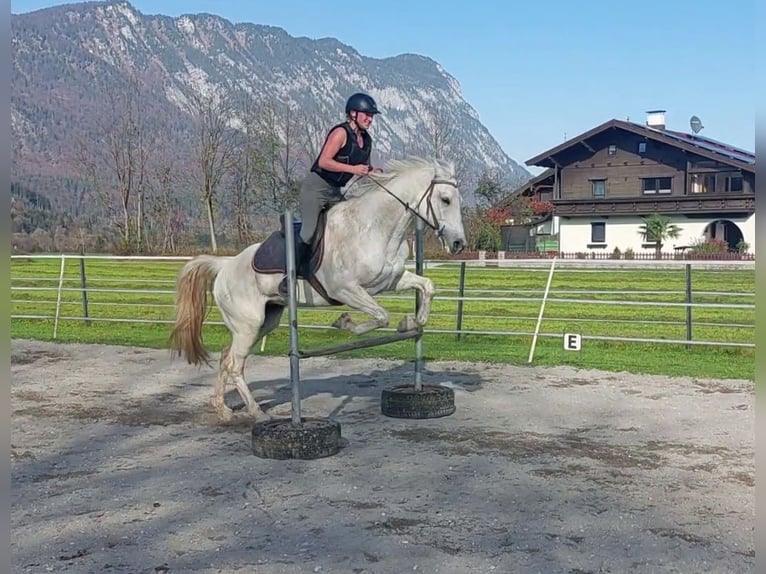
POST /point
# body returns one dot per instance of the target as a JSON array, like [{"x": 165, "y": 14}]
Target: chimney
[{"x": 656, "y": 119}]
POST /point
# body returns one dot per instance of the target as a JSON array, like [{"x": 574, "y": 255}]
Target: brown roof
[
  {"x": 526, "y": 186},
  {"x": 704, "y": 147}
]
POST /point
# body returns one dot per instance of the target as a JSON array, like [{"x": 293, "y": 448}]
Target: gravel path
[{"x": 119, "y": 465}]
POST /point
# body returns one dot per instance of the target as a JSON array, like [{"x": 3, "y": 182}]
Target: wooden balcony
[{"x": 708, "y": 203}]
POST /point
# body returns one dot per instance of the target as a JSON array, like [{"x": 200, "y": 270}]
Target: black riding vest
[{"x": 350, "y": 154}]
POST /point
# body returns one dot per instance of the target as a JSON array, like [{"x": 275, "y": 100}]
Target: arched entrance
[{"x": 724, "y": 230}]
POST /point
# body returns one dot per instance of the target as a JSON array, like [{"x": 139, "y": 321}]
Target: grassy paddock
[{"x": 35, "y": 282}]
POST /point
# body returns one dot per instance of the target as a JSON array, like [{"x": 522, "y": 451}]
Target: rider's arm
[{"x": 335, "y": 141}]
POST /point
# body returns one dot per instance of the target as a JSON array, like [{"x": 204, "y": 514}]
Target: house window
[
  {"x": 612, "y": 150},
  {"x": 641, "y": 147},
  {"x": 734, "y": 183},
  {"x": 598, "y": 232},
  {"x": 599, "y": 187},
  {"x": 652, "y": 185},
  {"x": 703, "y": 183}
]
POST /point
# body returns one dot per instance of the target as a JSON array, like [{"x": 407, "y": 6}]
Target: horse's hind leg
[
  {"x": 235, "y": 366},
  {"x": 272, "y": 316},
  {"x": 224, "y": 412},
  {"x": 232, "y": 367}
]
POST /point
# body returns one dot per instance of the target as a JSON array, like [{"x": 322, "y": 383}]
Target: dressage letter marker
[{"x": 572, "y": 342}]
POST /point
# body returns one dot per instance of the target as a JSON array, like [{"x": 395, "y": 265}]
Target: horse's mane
[{"x": 394, "y": 168}]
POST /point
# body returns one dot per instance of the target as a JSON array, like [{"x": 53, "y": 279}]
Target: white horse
[{"x": 362, "y": 253}]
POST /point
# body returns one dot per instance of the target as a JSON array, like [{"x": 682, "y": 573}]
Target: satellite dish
[{"x": 696, "y": 124}]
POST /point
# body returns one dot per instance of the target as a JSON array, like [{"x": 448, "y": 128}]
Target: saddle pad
[{"x": 270, "y": 257}]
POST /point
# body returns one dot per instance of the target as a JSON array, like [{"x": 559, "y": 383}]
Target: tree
[
  {"x": 314, "y": 133},
  {"x": 213, "y": 149},
  {"x": 656, "y": 229},
  {"x": 489, "y": 189},
  {"x": 118, "y": 161},
  {"x": 441, "y": 140},
  {"x": 164, "y": 207},
  {"x": 245, "y": 168},
  {"x": 439, "y": 132},
  {"x": 279, "y": 155}
]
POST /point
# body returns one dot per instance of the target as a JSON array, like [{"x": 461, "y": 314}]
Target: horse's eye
[{"x": 446, "y": 200}]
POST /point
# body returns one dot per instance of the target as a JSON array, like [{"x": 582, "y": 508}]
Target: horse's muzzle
[{"x": 457, "y": 246}]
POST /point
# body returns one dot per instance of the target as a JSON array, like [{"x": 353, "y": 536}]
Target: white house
[{"x": 604, "y": 181}]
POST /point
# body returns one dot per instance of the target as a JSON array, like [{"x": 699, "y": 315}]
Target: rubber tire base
[
  {"x": 404, "y": 402},
  {"x": 280, "y": 439}
]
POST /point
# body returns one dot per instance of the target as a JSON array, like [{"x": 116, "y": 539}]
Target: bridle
[{"x": 428, "y": 196}]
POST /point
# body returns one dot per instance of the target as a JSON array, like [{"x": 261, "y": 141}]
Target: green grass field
[{"x": 128, "y": 295}]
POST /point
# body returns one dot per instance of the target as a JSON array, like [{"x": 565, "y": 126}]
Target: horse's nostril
[{"x": 457, "y": 246}]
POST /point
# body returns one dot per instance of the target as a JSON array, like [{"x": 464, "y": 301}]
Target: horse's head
[
  {"x": 441, "y": 207},
  {"x": 427, "y": 189}
]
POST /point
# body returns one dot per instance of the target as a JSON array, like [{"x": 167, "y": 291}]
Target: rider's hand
[{"x": 362, "y": 169}]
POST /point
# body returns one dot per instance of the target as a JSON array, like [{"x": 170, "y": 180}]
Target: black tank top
[{"x": 350, "y": 154}]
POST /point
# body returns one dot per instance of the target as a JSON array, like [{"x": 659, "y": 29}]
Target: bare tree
[
  {"x": 442, "y": 140},
  {"x": 315, "y": 132},
  {"x": 166, "y": 215},
  {"x": 246, "y": 165},
  {"x": 280, "y": 157},
  {"x": 115, "y": 164},
  {"x": 439, "y": 132},
  {"x": 213, "y": 149}
]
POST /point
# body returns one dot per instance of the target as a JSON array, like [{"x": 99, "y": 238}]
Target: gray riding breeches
[{"x": 315, "y": 194}]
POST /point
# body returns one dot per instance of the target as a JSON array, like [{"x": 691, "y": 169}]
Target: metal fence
[{"x": 66, "y": 288}]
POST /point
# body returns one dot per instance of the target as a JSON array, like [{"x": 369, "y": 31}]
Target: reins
[{"x": 428, "y": 193}]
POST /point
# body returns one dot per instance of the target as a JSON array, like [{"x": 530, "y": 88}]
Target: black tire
[
  {"x": 280, "y": 439},
  {"x": 404, "y": 402}
]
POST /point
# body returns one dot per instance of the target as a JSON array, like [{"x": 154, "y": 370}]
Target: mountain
[{"x": 66, "y": 58}]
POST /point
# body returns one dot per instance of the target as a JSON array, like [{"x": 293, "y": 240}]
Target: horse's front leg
[
  {"x": 360, "y": 300},
  {"x": 411, "y": 280}
]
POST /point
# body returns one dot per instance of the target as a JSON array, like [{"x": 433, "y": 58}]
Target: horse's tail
[{"x": 194, "y": 283}]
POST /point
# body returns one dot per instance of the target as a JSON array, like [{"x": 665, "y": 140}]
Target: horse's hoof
[
  {"x": 343, "y": 322},
  {"x": 281, "y": 439},
  {"x": 225, "y": 414},
  {"x": 261, "y": 417},
  {"x": 407, "y": 324}
]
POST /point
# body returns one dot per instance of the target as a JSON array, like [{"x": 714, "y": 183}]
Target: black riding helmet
[{"x": 361, "y": 103}]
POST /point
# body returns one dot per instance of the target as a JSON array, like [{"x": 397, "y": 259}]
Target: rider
[{"x": 345, "y": 153}]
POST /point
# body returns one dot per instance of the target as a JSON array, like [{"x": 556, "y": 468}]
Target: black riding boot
[{"x": 302, "y": 263}]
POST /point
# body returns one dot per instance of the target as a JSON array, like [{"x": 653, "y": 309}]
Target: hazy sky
[{"x": 537, "y": 72}]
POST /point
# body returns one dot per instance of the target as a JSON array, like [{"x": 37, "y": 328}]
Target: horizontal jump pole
[{"x": 362, "y": 344}]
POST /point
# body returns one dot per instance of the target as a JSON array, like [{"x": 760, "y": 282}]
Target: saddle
[{"x": 270, "y": 257}]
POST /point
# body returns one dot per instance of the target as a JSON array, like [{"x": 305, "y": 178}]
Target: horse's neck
[{"x": 394, "y": 217}]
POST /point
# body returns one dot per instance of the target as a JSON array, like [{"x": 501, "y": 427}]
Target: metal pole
[
  {"x": 292, "y": 315},
  {"x": 419, "y": 231},
  {"x": 542, "y": 308},
  {"x": 58, "y": 296},
  {"x": 84, "y": 287},
  {"x": 688, "y": 307},
  {"x": 461, "y": 294}
]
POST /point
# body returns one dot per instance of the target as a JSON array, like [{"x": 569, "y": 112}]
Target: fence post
[
  {"x": 58, "y": 297},
  {"x": 460, "y": 294},
  {"x": 419, "y": 257},
  {"x": 542, "y": 308},
  {"x": 83, "y": 287},
  {"x": 688, "y": 306}
]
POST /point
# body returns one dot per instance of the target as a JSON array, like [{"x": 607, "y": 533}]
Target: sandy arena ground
[{"x": 119, "y": 465}]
